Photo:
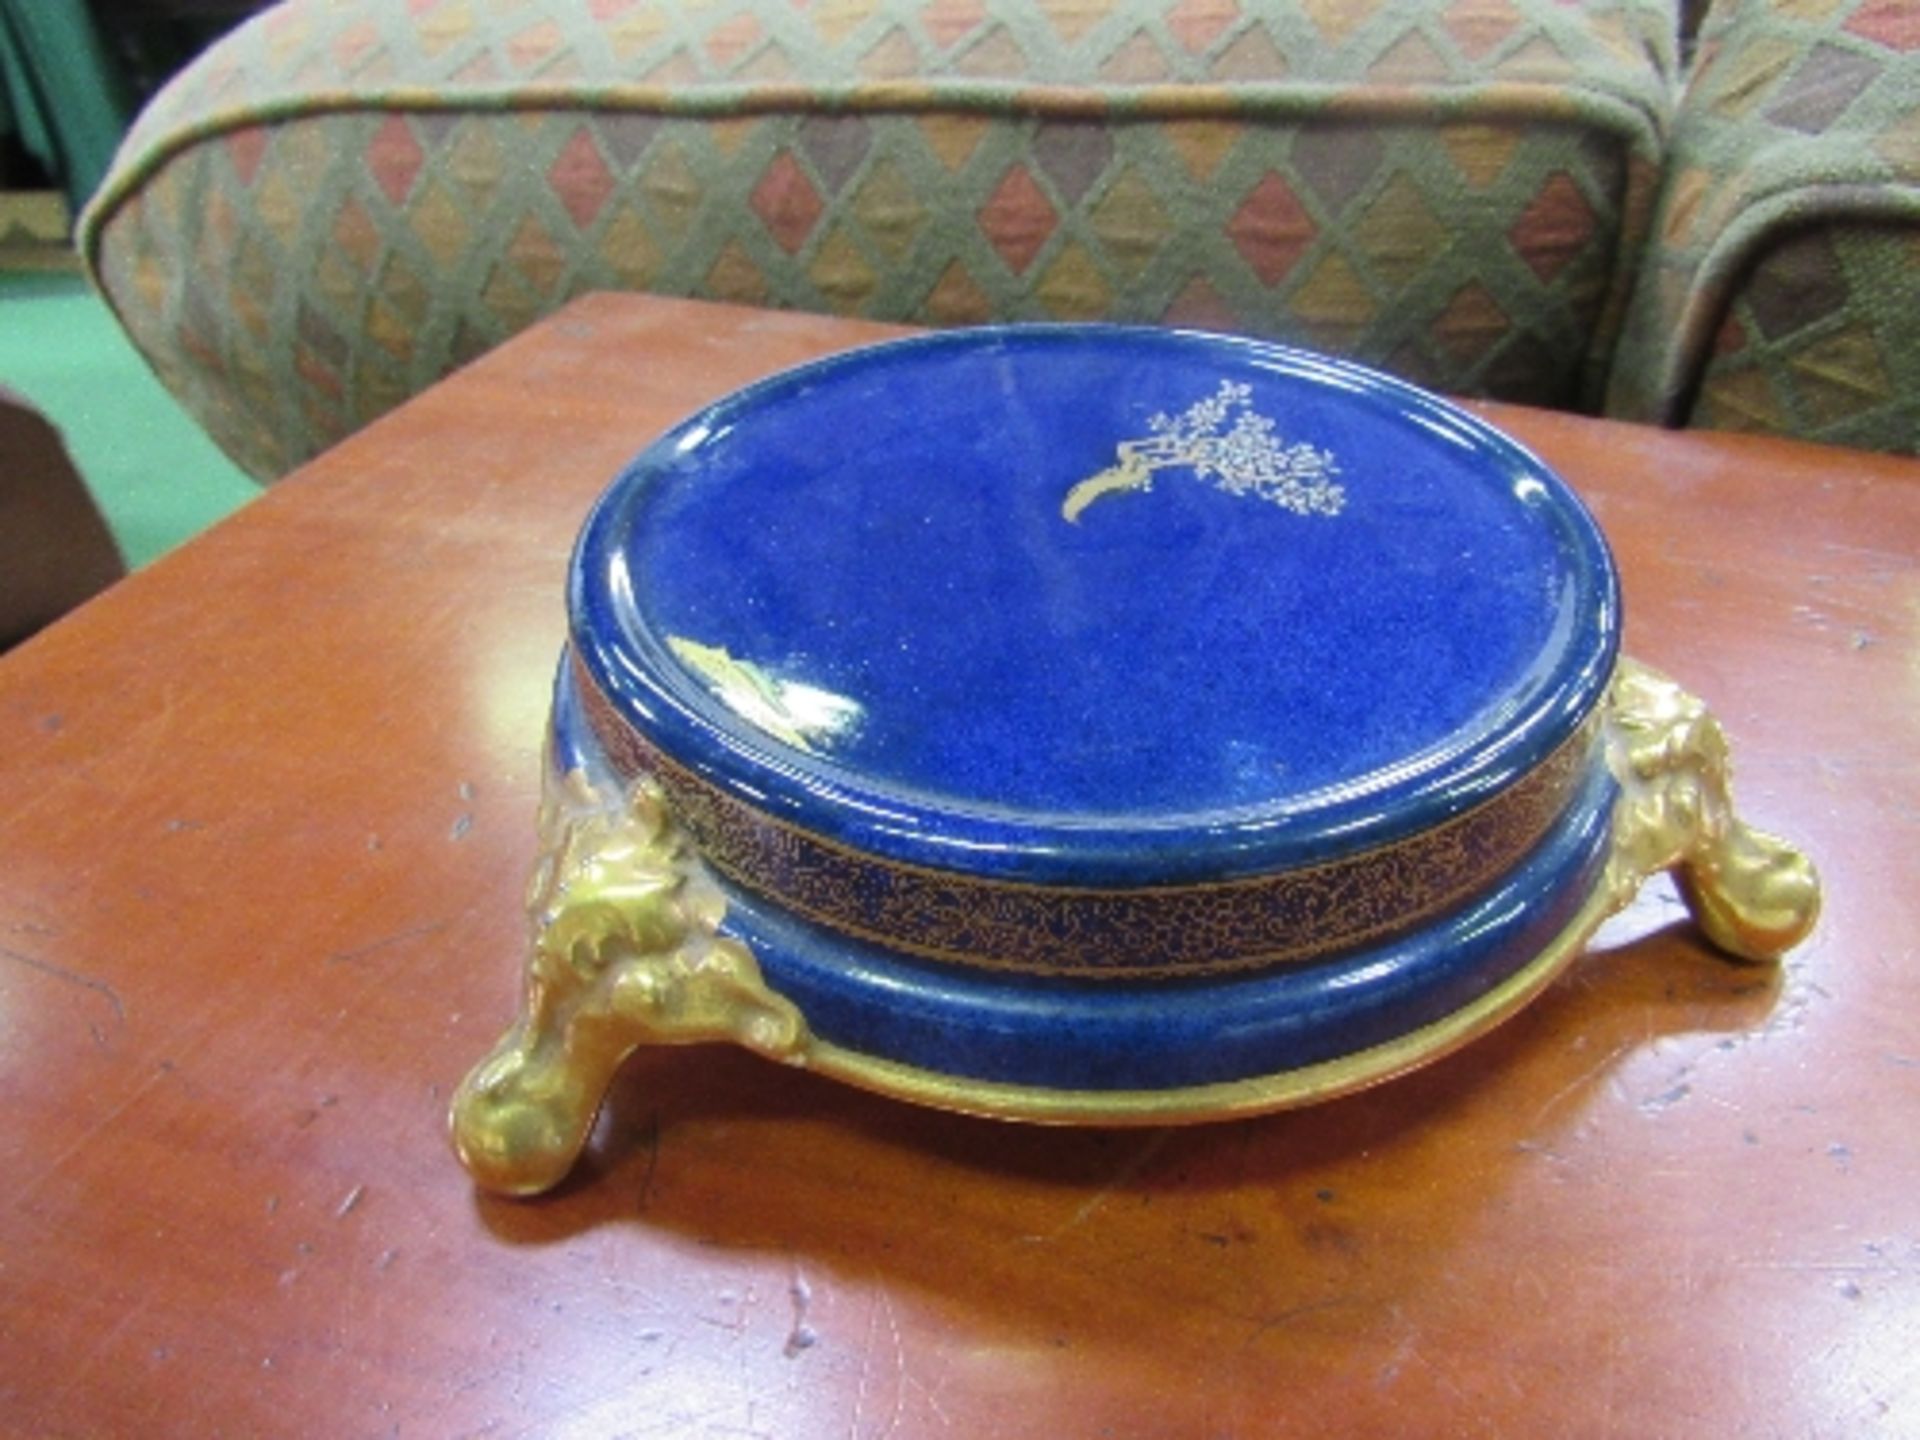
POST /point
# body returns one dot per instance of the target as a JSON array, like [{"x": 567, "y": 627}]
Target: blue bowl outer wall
[
  {"x": 629, "y": 664},
  {"x": 1117, "y": 1035}
]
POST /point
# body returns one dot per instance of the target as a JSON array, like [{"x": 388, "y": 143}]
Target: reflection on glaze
[
  {"x": 1247, "y": 460},
  {"x": 801, "y": 715}
]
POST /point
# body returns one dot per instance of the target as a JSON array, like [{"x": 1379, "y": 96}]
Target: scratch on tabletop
[
  {"x": 1292, "y": 1313},
  {"x": 78, "y": 1372},
  {"x": 674, "y": 1424},
  {"x": 933, "y": 1400},
  {"x": 1126, "y": 1171},
  {"x": 83, "y": 1140},
  {"x": 736, "y": 1324},
  {"x": 1579, "y": 1082},
  {"x": 1407, "y": 1349},
  {"x": 856, "y": 1430},
  {"x": 71, "y": 977},
  {"x": 154, "y": 721},
  {"x": 385, "y": 942},
  {"x": 650, "y": 1138}
]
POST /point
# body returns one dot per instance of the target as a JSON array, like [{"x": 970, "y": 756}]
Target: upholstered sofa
[{"x": 1528, "y": 199}]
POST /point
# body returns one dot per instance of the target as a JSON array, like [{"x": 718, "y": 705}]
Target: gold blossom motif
[
  {"x": 1244, "y": 458},
  {"x": 627, "y": 951}
]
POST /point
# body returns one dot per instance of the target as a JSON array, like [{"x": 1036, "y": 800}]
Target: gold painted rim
[{"x": 1225, "y": 1100}]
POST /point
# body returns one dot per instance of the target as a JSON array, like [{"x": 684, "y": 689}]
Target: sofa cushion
[
  {"x": 1782, "y": 291},
  {"x": 346, "y": 198}
]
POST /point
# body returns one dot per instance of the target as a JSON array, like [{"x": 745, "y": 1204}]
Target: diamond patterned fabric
[
  {"x": 1782, "y": 288},
  {"x": 347, "y": 198}
]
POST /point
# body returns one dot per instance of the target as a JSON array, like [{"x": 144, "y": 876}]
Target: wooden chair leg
[{"x": 55, "y": 549}]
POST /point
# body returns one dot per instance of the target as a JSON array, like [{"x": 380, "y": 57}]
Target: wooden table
[{"x": 265, "y": 815}]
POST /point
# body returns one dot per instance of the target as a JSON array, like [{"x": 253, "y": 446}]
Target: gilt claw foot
[
  {"x": 625, "y": 951},
  {"x": 1754, "y": 895}
]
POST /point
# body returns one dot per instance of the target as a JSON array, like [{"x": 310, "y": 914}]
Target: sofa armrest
[
  {"x": 346, "y": 198},
  {"x": 1781, "y": 289}
]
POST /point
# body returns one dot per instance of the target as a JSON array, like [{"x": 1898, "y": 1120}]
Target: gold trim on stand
[
  {"x": 1232, "y": 1099},
  {"x": 627, "y": 951},
  {"x": 1754, "y": 895}
]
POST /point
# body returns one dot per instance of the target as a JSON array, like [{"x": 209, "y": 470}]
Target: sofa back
[{"x": 345, "y": 199}]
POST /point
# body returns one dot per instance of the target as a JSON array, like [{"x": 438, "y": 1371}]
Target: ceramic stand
[{"x": 627, "y": 950}]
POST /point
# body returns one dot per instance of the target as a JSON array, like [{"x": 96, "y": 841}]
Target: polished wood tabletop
[{"x": 266, "y": 816}]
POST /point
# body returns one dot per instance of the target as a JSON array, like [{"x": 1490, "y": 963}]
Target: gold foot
[
  {"x": 625, "y": 952},
  {"x": 1754, "y": 895}
]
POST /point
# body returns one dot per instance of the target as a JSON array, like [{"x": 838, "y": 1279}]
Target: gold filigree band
[{"x": 1213, "y": 928}]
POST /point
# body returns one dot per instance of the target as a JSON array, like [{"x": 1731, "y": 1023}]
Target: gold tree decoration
[{"x": 1244, "y": 457}]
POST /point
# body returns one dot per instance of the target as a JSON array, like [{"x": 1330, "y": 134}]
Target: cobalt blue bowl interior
[{"x": 1104, "y": 609}]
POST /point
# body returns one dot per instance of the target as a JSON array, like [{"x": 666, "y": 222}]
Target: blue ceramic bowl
[{"x": 1101, "y": 709}]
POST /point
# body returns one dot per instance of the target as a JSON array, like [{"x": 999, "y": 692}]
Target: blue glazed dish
[
  {"x": 1097, "y": 710},
  {"x": 1091, "y": 725}
]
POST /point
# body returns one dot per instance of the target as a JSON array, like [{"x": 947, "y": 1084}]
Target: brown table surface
[{"x": 265, "y": 816}]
